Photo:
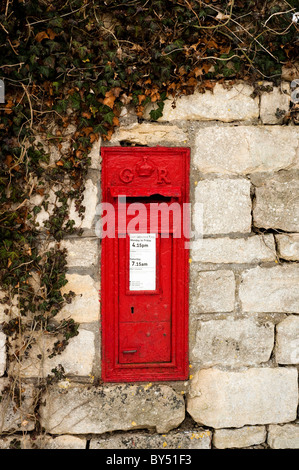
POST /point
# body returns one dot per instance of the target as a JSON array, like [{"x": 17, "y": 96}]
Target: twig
[{"x": 30, "y": 105}]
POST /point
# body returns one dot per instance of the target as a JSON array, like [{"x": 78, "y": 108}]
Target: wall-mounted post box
[{"x": 144, "y": 263}]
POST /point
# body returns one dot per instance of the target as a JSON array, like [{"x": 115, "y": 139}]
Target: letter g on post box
[{"x": 144, "y": 264}]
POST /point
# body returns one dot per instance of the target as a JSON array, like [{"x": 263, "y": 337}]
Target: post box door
[
  {"x": 145, "y": 314},
  {"x": 145, "y": 282}
]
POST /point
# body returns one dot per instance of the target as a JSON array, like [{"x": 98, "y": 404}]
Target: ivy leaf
[{"x": 40, "y": 36}]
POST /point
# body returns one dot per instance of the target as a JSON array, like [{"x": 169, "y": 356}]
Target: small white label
[{"x": 142, "y": 261}]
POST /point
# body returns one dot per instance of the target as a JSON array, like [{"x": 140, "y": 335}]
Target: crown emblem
[{"x": 144, "y": 168}]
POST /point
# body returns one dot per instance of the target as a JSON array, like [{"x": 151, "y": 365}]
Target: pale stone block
[
  {"x": 61, "y": 442},
  {"x": 212, "y": 291},
  {"x": 224, "y": 399},
  {"x": 8, "y": 309},
  {"x": 226, "y": 205},
  {"x": 2, "y": 353},
  {"x": 95, "y": 155},
  {"x": 239, "y": 438},
  {"x": 90, "y": 201},
  {"x": 233, "y": 342},
  {"x": 85, "y": 306},
  {"x": 16, "y": 418},
  {"x": 287, "y": 341},
  {"x": 188, "y": 439},
  {"x": 244, "y": 150},
  {"x": 81, "y": 252},
  {"x": 270, "y": 289},
  {"x": 82, "y": 410},
  {"x": 276, "y": 204},
  {"x": 283, "y": 437},
  {"x": 275, "y": 104},
  {"x": 76, "y": 359},
  {"x": 42, "y": 442},
  {"x": 223, "y": 104},
  {"x": 288, "y": 246},
  {"x": 234, "y": 250},
  {"x": 150, "y": 134}
]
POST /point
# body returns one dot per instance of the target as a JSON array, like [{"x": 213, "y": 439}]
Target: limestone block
[
  {"x": 76, "y": 359},
  {"x": 42, "y": 442},
  {"x": 287, "y": 341},
  {"x": 234, "y": 250},
  {"x": 270, "y": 289},
  {"x": 239, "y": 438},
  {"x": 85, "y": 306},
  {"x": 224, "y": 399},
  {"x": 95, "y": 155},
  {"x": 150, "y": 134},
  {"x": 90, "y": 201},
  {"x": 233, "y": 342},
  {"x": 288, "y": 246},
  {"x": 275, "y": 104},
  {"x": 226, "y": 205},
  {"x": 276, "y": 205},
  {"x": 20, "y": 416},
  {"x": 245, "y": 149},
  {"x": 212, "y": 291},
  {"x": 223, "y": 104},
  {"x": 81, "y": 409},
  {"x": 61, "y": 442},
  {"x": 188, "y": 439},
  {"x": 283, "y": 437},
  {"x": 8, "y": 306},
  {"x": 2, "y": 353},
  {"x": 81, "y": 252}
]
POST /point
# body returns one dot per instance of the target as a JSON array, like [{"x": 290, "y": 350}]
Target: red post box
[{"x": 144, "y": 263}]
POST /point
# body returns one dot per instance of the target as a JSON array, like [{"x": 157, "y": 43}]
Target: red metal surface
[{"x": 145, "y": 332}]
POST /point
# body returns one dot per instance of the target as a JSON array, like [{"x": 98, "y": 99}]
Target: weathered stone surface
[
  {"x": 226, "y": 205},
  {"x": 13, "y": 417},
  {"x": 90, "y": 201},
  {"x": 287, "y": 341},
  {"x": 275, "y": 104},
  {"x": 276, "y": 204},
  {"x": 234, "y": 250},
  {"x": 150, "y": 134},
  {"x": 95, "y": 155},
  {"x": 245, "y": 149},
  {"x": 79, "y": 410},
  {"x": 8, "y": 309},
  {"x": 231, "y": 342},
  {"x": 223, "y": 399},
  {"x": 62, "y": 442},
  {"x": 283, "y": 437},
  {"x": 212, "y": 291},
  {"x": 81, "y": 252},
  {"x": 288, "y": 246},
  {"x": 270, "y": 289},
  {"x": 42, "y": 442},
  {"x": 2, "y": 353},
  {"x": 223, "y": 104},
  {"x": 76, "y": 359},
  {"x": 85, "y": 306},
  {"x": 188, "y": 439},
  {"x": 239, "y": 438}
]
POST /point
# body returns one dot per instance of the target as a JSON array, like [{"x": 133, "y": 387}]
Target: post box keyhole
[{"x": 132, "y": 309}]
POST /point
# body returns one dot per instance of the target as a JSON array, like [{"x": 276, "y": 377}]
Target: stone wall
[{"x": 244, "y": 298}]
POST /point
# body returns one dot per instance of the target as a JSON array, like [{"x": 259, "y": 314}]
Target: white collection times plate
[{"x": 142, "y": 261}]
